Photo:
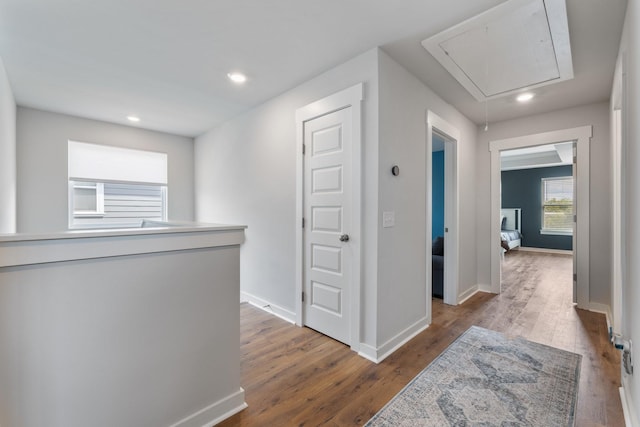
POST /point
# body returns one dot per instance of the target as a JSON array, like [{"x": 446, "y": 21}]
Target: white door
[{"x": 327, "y": 217}]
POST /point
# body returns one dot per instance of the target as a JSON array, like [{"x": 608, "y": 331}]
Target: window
[
  {"x": 115, "y": 187},
  {"x": 557, "y": 205},
  {"x": 88, "y": 199},
  {"x": 108, "y": 204}
]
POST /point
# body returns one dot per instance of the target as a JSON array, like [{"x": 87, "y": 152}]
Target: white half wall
[
  {"x": 246, "y": 173},
  {"x": 7, "y": 154},
  {"x": 404, "y": 101},
  {"x": 596, "y": 115},
  {"x": 42, "y": 143}
]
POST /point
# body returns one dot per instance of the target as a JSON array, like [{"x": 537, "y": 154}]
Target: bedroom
[{"x": 537, "y": 210}]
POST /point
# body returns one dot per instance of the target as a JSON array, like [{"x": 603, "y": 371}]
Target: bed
[{"x": 510, "y": 228}]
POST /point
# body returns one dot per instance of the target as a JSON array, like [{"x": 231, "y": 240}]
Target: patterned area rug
[{"x": 485, "y": 379}]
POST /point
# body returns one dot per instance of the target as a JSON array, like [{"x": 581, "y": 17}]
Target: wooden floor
[{"x": 297, "y": 377}]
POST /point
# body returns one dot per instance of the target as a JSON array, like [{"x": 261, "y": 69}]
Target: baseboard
[
  {"x": 596, "y": 307},
  {"x": 369, "y": 352},
  {"x": 628, "y": 410},
  {"x": 468, "y": 294},
  {"x": 377, "y": 355},
  {"x": 216, "y": 412},
  {"x": 482, "y": 287},
  {"x": 269, "y": 307},
  {"x": 545, "y": 250}
]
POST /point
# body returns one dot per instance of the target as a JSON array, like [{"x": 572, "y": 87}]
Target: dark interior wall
[
  {"x": 437, "y": 219},
  {"x": 523, "y": 189}
]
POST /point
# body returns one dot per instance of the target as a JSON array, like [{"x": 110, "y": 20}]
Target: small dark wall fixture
[
  {"x": 395, "y": 170},
  {"x": 523, "y": 189}
]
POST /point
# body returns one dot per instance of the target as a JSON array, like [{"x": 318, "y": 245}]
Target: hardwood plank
[{"x": 297, "y": 377}]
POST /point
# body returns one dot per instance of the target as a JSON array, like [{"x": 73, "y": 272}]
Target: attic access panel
[{"x": 516, "y": 45}]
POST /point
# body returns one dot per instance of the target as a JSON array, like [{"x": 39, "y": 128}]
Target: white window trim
[
  {"x": 556, "y": 232},
  {"x": 98, "y": 213}
]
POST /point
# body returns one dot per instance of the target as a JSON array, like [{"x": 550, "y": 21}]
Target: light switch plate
[{"x": 388, "y": 219}]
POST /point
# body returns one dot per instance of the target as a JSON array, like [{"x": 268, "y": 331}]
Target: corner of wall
[{"x": 8, "y": 174}]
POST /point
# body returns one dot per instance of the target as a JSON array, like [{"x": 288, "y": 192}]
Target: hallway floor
[{"x": 297, "y": 377}]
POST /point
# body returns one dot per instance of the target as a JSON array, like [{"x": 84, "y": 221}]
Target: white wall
[
  {"x": 42, "y": 139},
  {"x": 630, "y": 46},
  {"x": 149, "y": 340},
  {"x": 7, "y": 155},
  {"x": 404, "y": 102},
  {"x": 596, "y": 115},
  {"x": 246, "y": 174}
]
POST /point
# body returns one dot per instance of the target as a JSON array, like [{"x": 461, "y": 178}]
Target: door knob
[{"x": 344, "y": 238}]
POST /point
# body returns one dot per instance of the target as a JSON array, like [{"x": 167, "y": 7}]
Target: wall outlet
[{"x": 627, "y": 361}]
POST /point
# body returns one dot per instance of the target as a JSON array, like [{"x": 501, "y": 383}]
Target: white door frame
[
  {"x": 452, "y": 218},
  {"x": 619, "y": 213},
  {"x": 351, "y": 97},
  {"x": 582, "y": 136}
]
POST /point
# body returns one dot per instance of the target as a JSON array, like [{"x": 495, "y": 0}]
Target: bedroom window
[{"x": 557, "y": 206}]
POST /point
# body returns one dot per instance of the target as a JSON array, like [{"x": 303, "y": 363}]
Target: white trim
[
  {"x": 452, "y": 216},
  {"x": 216, "y": 412},
  {"x": 350, "y": 97},
  {"x": 630, "y": 419},
  {"x": 582, "y": 136},
  {"x": 545, "y": 250},
  {"x": 468, "y": 294},
  {"x": 619, "y": 143},
  {"x": 269, "y": 307},
  {"x": 551, "y": 232},
  {"x": 597, "y": 307},
  {"x": 369, "y": 352},
  {"x": 17, "y": 250},
  {"x": 377, "y": 355}
]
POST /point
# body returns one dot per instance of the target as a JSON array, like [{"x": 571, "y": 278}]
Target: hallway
[{"x": 295, "y": 376}]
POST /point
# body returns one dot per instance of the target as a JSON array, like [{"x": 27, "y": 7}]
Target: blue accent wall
[
  {"x": 523, "y": 189},
  {"x": 437, "y": 220}
]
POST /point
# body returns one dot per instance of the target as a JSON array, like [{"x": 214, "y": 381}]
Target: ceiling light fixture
[
  {"x": 238, "y": 78},
  {"x": 524, "y": 97},
  {"x": 133, "y": 119}
]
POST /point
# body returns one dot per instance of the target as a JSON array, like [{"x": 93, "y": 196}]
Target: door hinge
[
  {"x": 302, "y": 222},
  {"x": 575, "y": 277},
  {"x": 575, "y": 218},
  {"x": 304, "y": 149},
  {"x": 302, "y": 296}
]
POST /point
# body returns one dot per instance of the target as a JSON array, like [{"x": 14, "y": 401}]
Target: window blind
[{"x": 102, "y": 163}]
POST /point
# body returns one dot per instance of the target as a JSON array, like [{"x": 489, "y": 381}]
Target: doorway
[
  {"x": 537, "y": 212},
  {"x": 581, "y": 136},
  {"x": 328, "y": 212},
  {"x": 440, "y": 130}
]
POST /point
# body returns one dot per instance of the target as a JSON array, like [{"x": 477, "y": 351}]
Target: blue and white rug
[{"x": 485, "y": 379}]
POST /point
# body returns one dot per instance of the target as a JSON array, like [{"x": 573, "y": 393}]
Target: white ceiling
[
  {"x": 559, "y": 154},
  {"x": 595, "y": 27},
  {"x": 516, "y": 45},
  {"x": 166, "y": 61}
]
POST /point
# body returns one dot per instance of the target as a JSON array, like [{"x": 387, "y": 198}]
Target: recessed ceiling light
[
  {"x": 524, "y": 97},
  {"x": 133, "y": 119},
  {"x": 237, "y": 77}
]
